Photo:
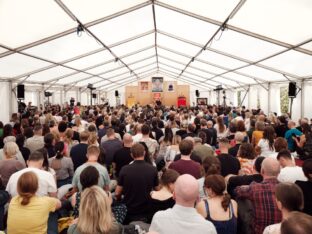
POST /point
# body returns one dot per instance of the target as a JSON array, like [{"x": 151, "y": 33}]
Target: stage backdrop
[{"x": 169, "y": 96}]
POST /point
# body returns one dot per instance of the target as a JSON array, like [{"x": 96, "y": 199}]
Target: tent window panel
[
  {"x": 138, "y": 56},
  {"x": 207, "y": 67},
  {"x": 243, "y": 46},
  {"x": 65, "y": 47},
  {"x": 171, "y": 63},
  {"x": 50, "y": 74},
  {"x": 87, "y": 12},
  {"x": 177, "y": 45},
  {"x": 240, "y": 78},
  {"x": 189, "y": 28},
  {"x": 106, "y": 67},
  {"x": 143, "y": 63},
  {"x": 293, "y": 62},
  {"x": 199, "y": 72},
  {"x": 125, "y": 26},
  {"x": 90, "y": 60},
  {"x": 141, "y": 42},
  {"x": 220, "y": 60},
  {"x": 289, "y": 25},
  {"x": 23, "y": 22},
  {"x": 116, "y": 72},
  {"x": 284, "y": 100},
  {"x": 218, "y": 10},
  {"x": 17, "y": 64},
  {"x": 73, "y": 78},
  {"x": 262, "y": 73}
]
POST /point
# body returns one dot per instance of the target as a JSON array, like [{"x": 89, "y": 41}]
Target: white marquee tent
[{"x": 252, "y": 46}]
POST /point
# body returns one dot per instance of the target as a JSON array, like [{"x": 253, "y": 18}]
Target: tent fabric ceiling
[{"x": 202, "y": 44}]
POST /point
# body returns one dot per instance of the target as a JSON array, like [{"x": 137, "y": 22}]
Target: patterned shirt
[{"x": 262, "y": 196}]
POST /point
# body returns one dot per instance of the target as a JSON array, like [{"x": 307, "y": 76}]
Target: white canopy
[{"x": 200, "y": 42}]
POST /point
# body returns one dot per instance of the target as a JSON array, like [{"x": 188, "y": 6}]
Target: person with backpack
[{"x": 304, "y": 143}]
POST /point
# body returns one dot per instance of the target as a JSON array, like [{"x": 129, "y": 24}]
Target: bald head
[
  {"x": 186, "y": 190},
  {"x": 127, "y": 140},
  {"x": 270, "y": 167}
]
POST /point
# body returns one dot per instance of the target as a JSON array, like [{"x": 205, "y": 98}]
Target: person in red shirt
[
  {"x": 262, "y": 196},
  {"x": 185, "y": 165}
]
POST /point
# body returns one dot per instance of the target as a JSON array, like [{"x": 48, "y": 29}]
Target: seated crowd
[{"x": 155, "y": 169}]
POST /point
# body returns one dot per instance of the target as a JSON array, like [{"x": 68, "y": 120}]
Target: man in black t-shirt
[
  {"x": 78, "y": 153},
  {"x": 123, "y": 156},
  {"x": 229, "y": 164},
  {"x": 135, "y": 183}
]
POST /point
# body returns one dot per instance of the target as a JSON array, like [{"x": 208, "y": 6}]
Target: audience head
[
  {"x": 168, "y": 178},
  {"x": 110, "y": 133},
  {"x": 291, "y": 124},
  {"x": 27, "y": 186},
  {"x": 93, "y": 152},
  {"x": 280, "y": 144},
  {"x": 10, "y": 150},
  {"x": 240, "y": 126},
  {"x": 260, "y": 125},
  {"x": 7, "y": 130},
  {"x": 186, "y": 147},
  {"x": 224, "y": 144},
  {"x": 289, "y": 196},
  {"x": 297, "y": 222},
  {"x": 203, "y": 123},
  {"x": 216, "y": 186},
  {"x": 38, "y": 130},
  {"x": 247, "y": 151},
  {"x": 62, "y": 126},
  {"x": 137, "y": 151},
  {"x": 270, "y": 168},
  {"x": 59, "y": 149},
  {"x": 239, "y": 137},
  {"x": 284, "y": 158},
  {"x": 84, "y": 137},
  {"x": 95, "y": 215},
  {"x": 145, "y": 129},
  {"x": 49, "y": 140},
  {"x": 306, "y": 128},
  {"x": 186, "y": 190},
  {"x": 307, "y": 168},
  {"x": 127, "y": 140},
  {"x": 89, "y": 177},
  {"x": 20, "y": 140},
  {"x": 35, "y": 159},
  {"x": 258, "y": 163},
  {"x": 211, "y": 166}
]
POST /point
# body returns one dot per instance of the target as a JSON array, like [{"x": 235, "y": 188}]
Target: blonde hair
[
  {"x": 69, "y": 133},
  {"x": 93, "y": 138},
  {"x": 10, "y": 149},
  {"x": 176, "y": 140},
  {"x": 95, "y": 214}
]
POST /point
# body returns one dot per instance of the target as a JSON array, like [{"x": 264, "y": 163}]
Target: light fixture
[{"x": 79, "y": 30}]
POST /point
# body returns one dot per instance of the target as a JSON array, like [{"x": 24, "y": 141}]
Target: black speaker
[
  {"x": 20, "y": 91},
  {"x": 47, "y": 94},
  {"x": 116, "y": 93},
  {"x": 197, "y": 93},
  {"x": 93, "y": 95},
  {"x": 292, "y": 89}
]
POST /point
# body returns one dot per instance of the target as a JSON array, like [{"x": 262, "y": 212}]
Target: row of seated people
[{"x": 136, "y": 169}]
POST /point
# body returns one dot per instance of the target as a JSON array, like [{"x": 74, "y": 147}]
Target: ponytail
[
  {"x": 59, "y": 155},
  {"x": 226, "y": 200},
  {"x": 25, "y": 198},
  {"x": 59, "y": 148}
]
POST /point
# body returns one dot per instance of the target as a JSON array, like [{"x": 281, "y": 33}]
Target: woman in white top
[
  {"x": 221, "y": 128},
  {"x": 265, "y": 146},
  {"x": 173, "y": 149},
  {"x": 289, "y": 197}
]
